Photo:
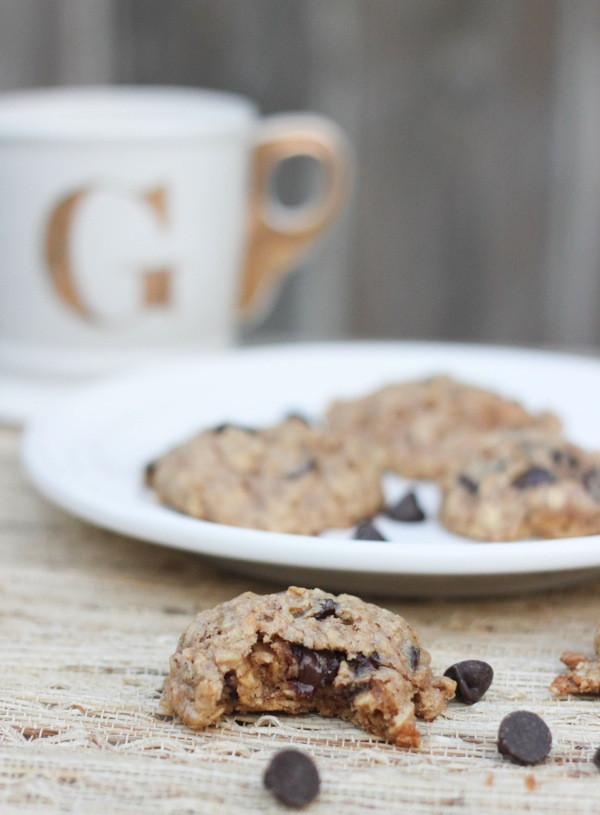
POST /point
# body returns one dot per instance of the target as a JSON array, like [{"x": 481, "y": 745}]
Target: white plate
[
  {"x": 88, "y": 457},
  {"x": 22, "y": 397}
]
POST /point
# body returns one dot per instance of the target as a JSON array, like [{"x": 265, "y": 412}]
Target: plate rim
[{"x": 180, "y": 531}]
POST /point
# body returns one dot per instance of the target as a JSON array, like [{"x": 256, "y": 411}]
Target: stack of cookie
[{"x": 504, "y": 473}]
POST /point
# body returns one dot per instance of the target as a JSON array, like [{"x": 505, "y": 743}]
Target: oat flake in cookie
[
  {"x": 301, "y": 651},
  {"x": 285, "y": 478},
  {"x": 524, "y": 485}
]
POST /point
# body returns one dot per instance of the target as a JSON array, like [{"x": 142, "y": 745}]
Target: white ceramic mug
[{"x": 138, "y": 221}]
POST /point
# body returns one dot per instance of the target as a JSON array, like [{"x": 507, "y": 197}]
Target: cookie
[
  {"x": 416, "y": 428},
  {"x": 286, "y": 478},
  {"x": 523, "y": 485},
  {"x": 303, "y": 651},
  {"x": 583, "y": 675}
]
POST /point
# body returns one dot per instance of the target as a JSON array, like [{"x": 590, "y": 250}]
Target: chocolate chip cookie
[
  {"x": 583, "y": 675},
  {"x": 302, "y": 651},
  {"x": 287, "y": 478},
  {"x": 523, "y": 485},
  {"x": 417, "y": 428}
]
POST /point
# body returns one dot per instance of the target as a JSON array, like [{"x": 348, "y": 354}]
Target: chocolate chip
[
  {"x": 327, "y": 609},
  {"x": 533, "y": 477},
  {"x": 350, "y": 692},
  {"x": 414, "y": 656},
  {"x": 468, "y": 483},
  {"x": 524, "y": 737},
  {"x": 362, "y": 663},
  {"x": 231, "y": 682},
  {"x": 305, "y": 467},
  {"x": 407, "y": 509},
  {"x": 315, "y": 668},
  {"x": 591, "y": 481},
  {"x": 221, "y": 428},
  {"x": 473, "y": 677},
  {"x": 367, "y": 531},
  {"x": 149, "y": 473},
  {"x": 564, "y": 457},
  {"x": 293, "y": 778},
  {"x": 596, "y": 758}
]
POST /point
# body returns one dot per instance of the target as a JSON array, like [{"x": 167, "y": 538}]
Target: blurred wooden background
[{"x": 476, "y": 126}]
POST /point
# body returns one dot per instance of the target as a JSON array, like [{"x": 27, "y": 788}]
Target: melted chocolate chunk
[
  {"x": 231, "y": 682},
  {"x": 362, "y": 663},
  {"x": 367, "y": 531},
  {"x": 315, "y": 668},
  {"x": 473, "y": 677},
  {"x": 596, "y": 758},
  {"x": 307, "y": 466},
  {"x": 591, "y": 481},
  {"x": 533, "y": 477},
  {"x": 407, "y": 509},
  {"x": 350, "y": 692},
  {"x": 524, "y": 737},
  {"x": 328, "y": 609},
  {"x": 468, "y": 483},
  {"x": 293, "y": 778}
]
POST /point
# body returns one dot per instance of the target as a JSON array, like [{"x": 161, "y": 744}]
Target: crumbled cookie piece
[
  {"x": 286, "y": 478},
  {"x": 583, "y": 675},
  {"x": 523, "y": 484},
  {"x": 301, "y": 651},
  {"x": 417, "y": 428}
]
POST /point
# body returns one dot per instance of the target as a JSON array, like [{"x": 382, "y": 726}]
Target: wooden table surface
[{"x": 88, "y": 620}]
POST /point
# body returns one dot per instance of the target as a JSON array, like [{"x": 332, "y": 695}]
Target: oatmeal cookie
[
  {"x": 583, "y": 675},
  {"x": 417, "y": 428},
  {"x": 523, "y": 485},
  {"x": 301, "y": 651},
  {"x": 286, "y": 478}
]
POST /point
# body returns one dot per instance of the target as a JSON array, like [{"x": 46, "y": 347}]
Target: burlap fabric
[{"x": 88, "y": 620}]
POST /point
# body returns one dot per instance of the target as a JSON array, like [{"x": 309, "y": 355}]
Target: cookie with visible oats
[
  {"x": 523, "y": 485},
  {"x": 286, "y": 478},
  {"x": 303, "y": 651},
  {"x": 583, "y": 675},
  {"x": 416, "y": 428}
]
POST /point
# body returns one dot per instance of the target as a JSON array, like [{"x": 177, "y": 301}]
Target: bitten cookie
[
  {"x": 301, "y": 651},
  {"x": 524, "y": 485},
  {"x": 583, "y": 675},
  {"x": 285, "y": 478},
  {"x": 417, "y": 428}
]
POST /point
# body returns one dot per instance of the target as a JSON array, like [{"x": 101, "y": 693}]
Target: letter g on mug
[
  {"x": 139, "y": 222},
  {"x": 106, "y": 253}
]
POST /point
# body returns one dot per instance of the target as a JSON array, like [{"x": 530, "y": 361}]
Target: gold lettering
[
  {"x": 156, "y": 283},
  {"x": 58, "y": 258},
  {"x": 157, "y": 199},
  {"x": 157, "y": 287}
]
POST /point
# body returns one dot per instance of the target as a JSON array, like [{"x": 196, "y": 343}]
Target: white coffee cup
[{"x": 137, "y": 222}]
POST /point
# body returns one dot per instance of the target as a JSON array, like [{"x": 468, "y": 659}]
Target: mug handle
[{"x": 278, "y": 234}]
